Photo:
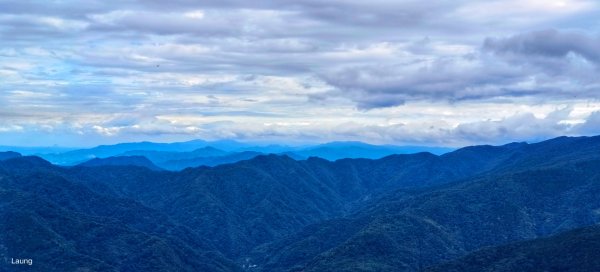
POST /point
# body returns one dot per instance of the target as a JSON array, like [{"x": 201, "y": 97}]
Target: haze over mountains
[
  {"x": 180, "y": 155},
  {"x": 474, "y": 209}
]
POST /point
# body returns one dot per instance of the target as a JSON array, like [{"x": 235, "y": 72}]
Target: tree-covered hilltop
[
  {"x": 64, "y": 226},
  {"x": 537, "y": 190},
  {"x": 574, "y": 250},
  {"x": 9, "y": 155}
]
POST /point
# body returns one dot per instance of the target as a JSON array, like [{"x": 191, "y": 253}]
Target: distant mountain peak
[
  {"x": 9, "y": 155},
  {"x": 209, "y": 151},
  {"x": 25, "y": 161},
  {"x": 269, "y": 159},
  {"x": 207, "y": 148},
  {"x": 121, "y": 161},
  {"x": 271, "y": 156}
]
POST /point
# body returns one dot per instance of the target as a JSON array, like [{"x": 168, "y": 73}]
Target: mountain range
[
  {"x": 180, "y": 155},
  {"x": 478, "y": 208}
]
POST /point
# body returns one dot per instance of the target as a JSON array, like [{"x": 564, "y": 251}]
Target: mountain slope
[
  {"x": 179, "y": 164},
  {"x": 9, "y": 155},
  {"x": 122, "y": 161},
  {"x": 410, "y": 229},
  {"x": 444, "y": 224},
  {"x": 574, "y": 250},
  {"x": 268, "y": 197},
  {"x": 64, "y": 226},
  {"x": 103, "y": 151},
  {"x": 59, "y": 240},
  {"x": 400, "y": 212},
  {"x": 159, "y": 157},
  {"x": 238, "y": 205}
]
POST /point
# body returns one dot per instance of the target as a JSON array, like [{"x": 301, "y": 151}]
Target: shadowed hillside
[
  {"x": 64, "y": 226},
  {"x": 575, "y": 250},
  {"x": 409, "y": 229}
]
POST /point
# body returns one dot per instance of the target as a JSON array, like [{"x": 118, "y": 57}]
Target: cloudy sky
[{"x": 440, "y": 72}]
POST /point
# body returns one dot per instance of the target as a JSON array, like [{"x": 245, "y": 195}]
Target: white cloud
[{"x": 379, "y": 71}]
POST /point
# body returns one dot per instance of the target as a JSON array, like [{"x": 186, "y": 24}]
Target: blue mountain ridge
[{"x": 160, "y": 153}]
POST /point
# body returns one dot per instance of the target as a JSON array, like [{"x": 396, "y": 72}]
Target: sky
[{"x": 438, "y": 73}]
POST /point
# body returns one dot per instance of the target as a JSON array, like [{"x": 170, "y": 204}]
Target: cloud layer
[{"x": 403, "y": 72}]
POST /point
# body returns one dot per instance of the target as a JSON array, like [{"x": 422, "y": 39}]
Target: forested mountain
[
  {"x": 164, "y": 156},
  {"x": 410, "y": 229},
  {"x": 103, "y": 151},
  {"x": 64, "y": 226},
  {"x": 122, "y": 161},
  {"x": 570, "y": 251},
  {"x": 9, "y": 155},
  {"x": 274, "y": 213},
  {"x": 268, "y": 197},
  {"x": 179, "y": 164}
]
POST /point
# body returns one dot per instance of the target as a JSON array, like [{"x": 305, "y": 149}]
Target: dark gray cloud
[
  {"x": 535, "y": 64},
  {"x": 451, "y": 79},
  {"x": 547, "y": 43}
]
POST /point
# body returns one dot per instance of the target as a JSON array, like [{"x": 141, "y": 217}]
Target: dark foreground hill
[
  {"x": 408, "y": 230},
  {"x": 571, "y": 251},
  {"x": 411, "y": 230},
  {"x": 64, "y": 226},
  {"x": 273, "y": 213}
]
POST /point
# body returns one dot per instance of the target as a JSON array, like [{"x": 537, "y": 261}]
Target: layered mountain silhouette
[
  {"x": 164, "y": 156},
  {"x": 179, "y": 164},
  {"x": 140, "y": 161},
  {"x": 340, "y": 150},
  {"x": 477, "y": 208},
  {"x": 180, "y": 155}
]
